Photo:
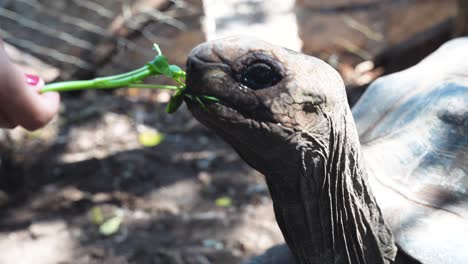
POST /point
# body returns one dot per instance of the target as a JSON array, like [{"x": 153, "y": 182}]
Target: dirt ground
[
  {"x": 167, "y": 196},
  {"x": 91, "y": 156}
]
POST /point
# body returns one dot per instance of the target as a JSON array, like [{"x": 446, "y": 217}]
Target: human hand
[{"x": 21, "y": 104}]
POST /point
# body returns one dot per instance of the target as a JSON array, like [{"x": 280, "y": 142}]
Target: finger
[
  {"x": 43, "y": 107},
  {"x": 49, "y": 104},
  {"x": 22, "y": 103},
  {"x": 50, "y": 99}
]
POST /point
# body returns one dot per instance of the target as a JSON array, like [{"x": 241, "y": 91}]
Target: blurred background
[{"x": 114, "y": 179}]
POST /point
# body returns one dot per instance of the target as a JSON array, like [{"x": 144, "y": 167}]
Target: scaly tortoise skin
[{"x": 287, "y": 116}]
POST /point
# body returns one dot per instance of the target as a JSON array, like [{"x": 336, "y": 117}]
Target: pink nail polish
[{"x": 32, "y": 80}]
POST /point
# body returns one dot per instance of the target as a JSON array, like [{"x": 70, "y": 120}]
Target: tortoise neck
[{"x": 327, "y": 212}]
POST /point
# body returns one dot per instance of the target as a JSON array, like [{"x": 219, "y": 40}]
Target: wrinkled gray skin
[{"x": 300, "y": 133}]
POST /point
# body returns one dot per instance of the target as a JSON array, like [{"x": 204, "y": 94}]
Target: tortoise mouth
[
  {"x": 216, "y": 79},
  {"x": 221, "y": 111}
]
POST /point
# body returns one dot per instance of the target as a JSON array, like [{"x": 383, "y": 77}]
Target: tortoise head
[
  {"x": 286, "y": 114},
  {"x": 272, "y": 100}
]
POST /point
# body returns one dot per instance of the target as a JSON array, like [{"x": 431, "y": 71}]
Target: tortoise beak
[{"x": 205, "y": 77}]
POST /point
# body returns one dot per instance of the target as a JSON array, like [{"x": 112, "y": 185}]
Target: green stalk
[
  {"x": 159, "y": 66},
  {"x": 69, "y": 86},
  {"x": 124, "y": 75},
  {"x": 154, "y": 86},
  {"x": 116, "y": 81},
  {"x": 124, "y": 82}
]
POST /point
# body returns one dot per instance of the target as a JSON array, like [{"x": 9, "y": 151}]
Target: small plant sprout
[{"x": 134, "y": 79}]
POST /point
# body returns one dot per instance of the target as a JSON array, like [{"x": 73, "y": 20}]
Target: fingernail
[{"x": 32, "y": 80}]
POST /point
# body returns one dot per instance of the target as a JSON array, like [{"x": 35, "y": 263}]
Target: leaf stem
[
  {"x": 154, "y": 86},
  {"x": 116, "y": 81},
  {"x": 123, "y": 75},
  {"x": 159, "y": 66}
]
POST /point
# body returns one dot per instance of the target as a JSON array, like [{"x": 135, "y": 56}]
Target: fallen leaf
[
  {"x": 150, "y": 138},
  {"x": 111, "y": 226},
  {"x": 223, "y": 202}
]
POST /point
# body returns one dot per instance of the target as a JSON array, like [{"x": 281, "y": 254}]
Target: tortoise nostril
[
  {"x": 189, "y": 63},
  {"x": 194, "y": 61}
]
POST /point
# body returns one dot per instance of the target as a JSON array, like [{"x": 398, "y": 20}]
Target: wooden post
[{"x": 270, "y": 20}]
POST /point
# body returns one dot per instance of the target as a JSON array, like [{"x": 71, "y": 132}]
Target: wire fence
[{"x": 79, "y": 36}]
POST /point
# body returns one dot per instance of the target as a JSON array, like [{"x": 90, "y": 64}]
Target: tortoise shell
[{"x": 413, "y": 129}]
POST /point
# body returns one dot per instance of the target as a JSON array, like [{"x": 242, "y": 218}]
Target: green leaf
[
  {"x": 150, "y": 138},
  {"x": 176, "y": 101},
  {"x": 160, "y": 65},
  {"x": 210, "y": 98},
  {"x": 111, "y": 226},
  {"x": 177, "y": 72},
  {"x": 223, "y": 202},
  {"x": 199, "y": 100}
]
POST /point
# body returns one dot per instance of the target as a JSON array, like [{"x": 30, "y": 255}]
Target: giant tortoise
[{"x": 388, "y": 185}]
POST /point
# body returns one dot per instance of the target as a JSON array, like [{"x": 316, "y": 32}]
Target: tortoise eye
[{"x": 259, "y": 75}]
